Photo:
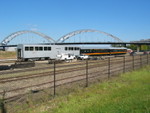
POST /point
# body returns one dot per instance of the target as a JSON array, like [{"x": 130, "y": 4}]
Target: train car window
[
  {"x": 94, "y": 50},
  {"x": 40, "y": 48},
  {"x": 49, "y": 48},
  {"x": 106, "y": 50},
  {"x": 113, "y": 50},
  {"x": 36, "y": 48},
  {"x": 31, "y": 48},
  {"x": 87, "y": 50},
  {"x": 76, "y": 48},
  {"x": 103, "y": 50},
  {"x": 110, "y": 50},
  {"x": 117, "y": 50},
  {"x": 26, "y": 48},
  {"x": 69, "y": 48},
  {"x": 97, "y": 50},
  {"x": 66, "y": 48},
  {"x": 45, "y": 48}
]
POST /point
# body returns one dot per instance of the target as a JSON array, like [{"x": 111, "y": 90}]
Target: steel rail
[{"x": 9, "y": 79}]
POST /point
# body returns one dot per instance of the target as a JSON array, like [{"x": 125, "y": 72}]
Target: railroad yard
[{"x": 17, "y": 82}]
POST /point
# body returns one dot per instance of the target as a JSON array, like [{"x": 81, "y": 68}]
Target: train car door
[
  {"x": 19, "y": 53},
  {"x": 58, "y": 51}
]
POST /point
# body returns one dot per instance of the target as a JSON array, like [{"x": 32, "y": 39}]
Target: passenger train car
[
  {"x": 26, "y": 52},
  {"x": 102, "y": 51}
]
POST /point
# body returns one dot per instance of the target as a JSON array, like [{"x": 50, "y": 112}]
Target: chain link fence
[{"x": 22, "y": 88}]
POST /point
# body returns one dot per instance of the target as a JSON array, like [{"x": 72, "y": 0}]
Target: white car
[
  {"x": 65, "y": 57},
  {"x": 83, "y": 57}
]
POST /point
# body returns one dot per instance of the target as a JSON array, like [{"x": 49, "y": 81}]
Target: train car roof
[
  {"x": 101, "y": 47},
  {"x": 46, "y": 45},
  {"x": 80, "y": 46}
]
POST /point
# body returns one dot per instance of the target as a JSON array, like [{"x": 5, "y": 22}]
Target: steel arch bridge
[
  {"x": 15, "y": 34},
  {"x": 67, "y": 36},
  {"x": 51, "y": 40}
]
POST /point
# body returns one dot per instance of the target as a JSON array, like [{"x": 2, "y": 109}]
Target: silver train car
[{"x": 27, "y": 52}]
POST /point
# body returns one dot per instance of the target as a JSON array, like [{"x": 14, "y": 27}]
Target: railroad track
[
  {"x": 62, "y": 69},
  {"x": 43, "y": 74},
  {"x": 49, "y": 73},
  {"x": 39, "y": 68},
  {"x": 29, "y": 76}
]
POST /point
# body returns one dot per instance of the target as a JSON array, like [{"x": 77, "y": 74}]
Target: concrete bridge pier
[
  {"x": 3, "y": 48},
  {"x": 138, "y": 48},
  {"x": 124, "y": 45}
]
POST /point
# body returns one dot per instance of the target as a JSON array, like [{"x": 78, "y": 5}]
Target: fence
[{"x": 23, "y": 85}]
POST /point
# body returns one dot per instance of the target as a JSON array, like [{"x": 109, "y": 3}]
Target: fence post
[
  {"x": 147, "y": 59},
  {"x": 141, "y": 60},
  {"x": 109, "y": 67},
  {"x": 86, "y": 73},
  {"x": 124, "y": 64},
  {"x": 54, "y": 78},
  {"x": 133, "y": 61},
  {"x": 2, "y": 103}
]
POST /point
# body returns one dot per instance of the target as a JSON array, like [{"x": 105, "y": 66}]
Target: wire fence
[{"x": 32, "y": 85}]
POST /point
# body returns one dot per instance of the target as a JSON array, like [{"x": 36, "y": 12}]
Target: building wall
[{"x": 10, "y": 48}]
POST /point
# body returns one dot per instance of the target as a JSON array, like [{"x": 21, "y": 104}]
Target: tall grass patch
[
  {"x": 129, "y": 93},
  {"x": 7, "y": 54}
]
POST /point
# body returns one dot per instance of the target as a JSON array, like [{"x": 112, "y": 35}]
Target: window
[
  {"x": 36, "y": 48},
  {"x": 40, "y": 48},
  {"x": 70, "y": 48},
  {"x": 77, "y": 48},
  {"x": 66, "y": 48},
  {"x": 31, "y": 48},
  {"x": 45, "y": 48},
  {"x": 49, "y": 48},
  {"x": 26, "y": 48}
]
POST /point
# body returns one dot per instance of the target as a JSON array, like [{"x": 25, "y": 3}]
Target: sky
[{"x": 127, "y": 19}]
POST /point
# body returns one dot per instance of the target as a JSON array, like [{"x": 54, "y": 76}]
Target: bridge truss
[
  {"x": 67, "y": 36},
  {"x": 13, "y": 35},
  {"x": 60, "y": 40}
]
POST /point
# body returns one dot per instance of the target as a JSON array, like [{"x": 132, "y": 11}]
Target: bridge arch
[
  {"x": 15, "y": 34},
  {"x": 67, "y": 36}
]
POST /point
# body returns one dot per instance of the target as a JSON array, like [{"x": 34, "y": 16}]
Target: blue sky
[{"x": 127, "y": 19}]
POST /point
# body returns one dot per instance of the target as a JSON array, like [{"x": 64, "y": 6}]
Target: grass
[
  {"x": 7, "y": 54},
  {"x": 129, "y": 93}
]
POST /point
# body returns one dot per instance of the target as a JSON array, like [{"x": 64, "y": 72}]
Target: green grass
[{"x": 129, "y": 93}]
